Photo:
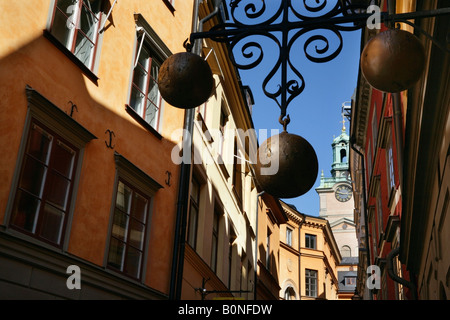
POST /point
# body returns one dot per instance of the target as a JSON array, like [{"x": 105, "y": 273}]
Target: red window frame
[{"x": 48, "y": 187}]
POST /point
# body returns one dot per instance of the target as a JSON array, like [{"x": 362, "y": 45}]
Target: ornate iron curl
[{"x": 290, "y": 21}]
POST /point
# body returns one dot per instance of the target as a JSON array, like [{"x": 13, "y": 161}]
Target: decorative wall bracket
[{"x": 318, "y": 22}]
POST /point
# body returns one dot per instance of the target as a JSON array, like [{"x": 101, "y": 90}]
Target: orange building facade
[{"x": 87, "y": 175}]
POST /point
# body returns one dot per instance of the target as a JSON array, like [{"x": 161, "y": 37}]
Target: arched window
[
  {"x": 343, "y": 155},
  {"x": 346, "y": 251},
  {"x": 289, "y": 294}
]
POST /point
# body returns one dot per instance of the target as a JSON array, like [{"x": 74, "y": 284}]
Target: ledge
[
  {"x": 142, "y": 122},
  {"x": 169, "y": 6}
]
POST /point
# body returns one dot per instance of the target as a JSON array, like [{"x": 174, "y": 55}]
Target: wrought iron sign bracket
[
  {"x": 205, "y": 292},
  {"x": 344, "y": 16}
]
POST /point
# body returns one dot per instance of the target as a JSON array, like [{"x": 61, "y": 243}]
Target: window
[
  {"x": 222, "y": 127},
  {"x": 231, "y": 238},
  {"x": 311, "y": 283},
  {"x": 75, "y": 24},
  {"x": 269, "y": 233},
  {"x": 45, "y": 185},
  {"x": 237, "y": 175},
  {"x": 343, "y": 155},
  {"x": 131, "y": 212},
  {"x": 350, "y": 281},
  {"x": 379, "y": 212},
  {"x": 289, "y": 293},
  {"x": 193, "y": 213},
  {"x": 145, "y": 101},
  {"x": 46, "y": 180},
  {"x": 390, "y": 163},
  {"x": 145, "y": 98},
  {"x": 374, "y": 234},
  {"x": 126, "y": 250},
  {"x": 289, "y": 237},
  {"x": 215, "y": 237},
  {"x": 346, "y": 251},
  {"x": 374, "y": 126},
  {"x": 310, "y": 241}
]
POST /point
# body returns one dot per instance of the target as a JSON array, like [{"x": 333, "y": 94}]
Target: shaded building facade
[
  {"x": 399, "y": 167},
  {"x": 87, "y": 176}
]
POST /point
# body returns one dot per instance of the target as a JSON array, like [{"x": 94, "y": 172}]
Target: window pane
[
  {"x": 52, "y": 223},
  {"x": 64, "y": 5},
  {"x": 93, "y": 5},
  {"x": 195, "y": 190},
  {"x": 214, "y": 254},
  {"x": 139, "y": 207},
  {"x": 134, "y": 259},
  {"x": 63, "y": 159},
  {"x": 24, "y": 214},
  {"x": 64, "y": 22},
  {"x": 123, "y": 199},
  {"x": 151, "y": 113},
  {"x": 116, "y": 254},
  {"x": 39, "y": 144},
  {"x": 140, "y": 77},
  {"x": 89, "y": 20},
  {"x": 137, "y": 234},
  {"x": 192, "y": 231},
  {"x": 289, "y": 237},
  {"x": 144, "y": 57},
  {"x": 137, "y": 100},
  {"x": 83, "y": 49},
  {"x": 153, "y": 93},
  {"x": 120, "y": 225},
  {"x": 33, "y": 176},
  {"x": 57, "y": 190}
]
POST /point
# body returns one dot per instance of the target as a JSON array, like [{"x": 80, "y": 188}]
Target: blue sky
[{"x": 316, "y": 113}]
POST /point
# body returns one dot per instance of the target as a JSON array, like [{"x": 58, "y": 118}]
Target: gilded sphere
[
  {"x": 185, "y": 80},
  {"x": 393, "y": 60},
  {"x": 287, "y": 166}
]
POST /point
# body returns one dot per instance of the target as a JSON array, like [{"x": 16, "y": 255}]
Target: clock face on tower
[{"x": 343, "y": 193}]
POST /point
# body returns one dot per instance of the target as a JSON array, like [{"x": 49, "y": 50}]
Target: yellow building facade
[{"x": 309, "y": 258}]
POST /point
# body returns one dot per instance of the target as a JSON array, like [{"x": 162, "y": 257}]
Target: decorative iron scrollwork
[{"x": 283, "y": 23}]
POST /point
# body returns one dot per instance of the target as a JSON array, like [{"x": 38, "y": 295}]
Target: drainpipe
[
  {"x": 176, "y": 277},
  {"x": 366, "y": 222},
  {"x": 391, "y": 273}
]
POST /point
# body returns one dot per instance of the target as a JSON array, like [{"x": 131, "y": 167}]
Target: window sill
[
  {"x": 92, "y": 76},
  {"x": 142, "y": 122},
  {"x": 169, "y": 5}
]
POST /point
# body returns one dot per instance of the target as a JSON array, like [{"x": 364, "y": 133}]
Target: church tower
[{"x": 335, "y": 196}]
